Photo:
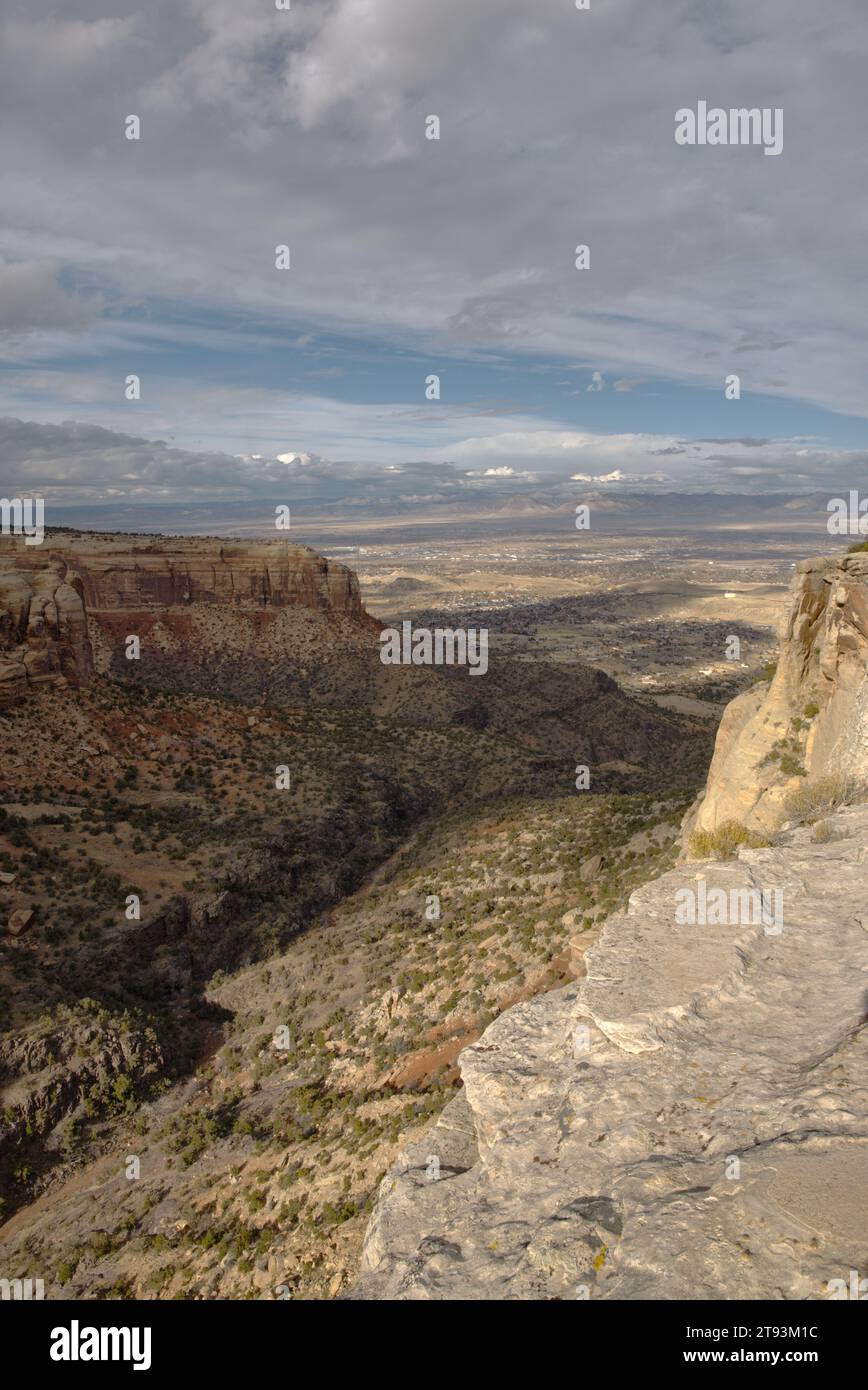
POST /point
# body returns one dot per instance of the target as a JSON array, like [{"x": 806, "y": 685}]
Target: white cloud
[{"x": 73, "y": 462}]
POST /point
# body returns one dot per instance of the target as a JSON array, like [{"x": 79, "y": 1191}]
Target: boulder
[{"x": 19, "y": 921}]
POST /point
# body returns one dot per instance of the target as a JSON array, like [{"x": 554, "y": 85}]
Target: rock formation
[
  {"x": 690, "y": 1119},
  {"x": 134, "y": 572},
  {"x": 812, "y": 719},
  {"x": 43, "y": 630},
  {"x": 66, "y": 606}
]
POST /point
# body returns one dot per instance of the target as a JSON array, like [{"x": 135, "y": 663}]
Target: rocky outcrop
[
  {"x": 812, "y": 718},
  {"x": 43, "y": 630},
  {"x": 83, "y": 1061},
  {"x": 139, "y": 572},
  {"x": 68, "y": 605},
  {"x": 688, "y": 1121}
]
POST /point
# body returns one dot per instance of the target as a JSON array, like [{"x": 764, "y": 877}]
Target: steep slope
[
  {"x": 812, "y": 718},
  {"x": 690, "y": 1121},
  {"x": 260, "y": 1171}
]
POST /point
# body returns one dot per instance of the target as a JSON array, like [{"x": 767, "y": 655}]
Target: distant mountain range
[{"x": 614, "y": 508}]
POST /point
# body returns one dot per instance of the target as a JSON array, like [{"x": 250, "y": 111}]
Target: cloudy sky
[{"x": 413, "y": 257}]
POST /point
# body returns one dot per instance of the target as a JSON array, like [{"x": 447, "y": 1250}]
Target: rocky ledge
[{"x": 688, "y": 1121}]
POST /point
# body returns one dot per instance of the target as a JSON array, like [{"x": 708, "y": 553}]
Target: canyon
[
  {"x": 555, "y": 1085},
  {"x": 290, "y": 912}
]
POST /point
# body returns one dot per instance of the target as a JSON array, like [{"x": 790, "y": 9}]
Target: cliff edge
[
  {"x": 811, "y": 719},
  {"x": 690, "y": 1120}
]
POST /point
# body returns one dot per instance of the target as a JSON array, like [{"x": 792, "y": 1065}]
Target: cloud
[
  {"x": 31, "y": 300},
  {"x": 261, "y": 127},
  {"x": 307, "y": 126},
  {"x": 616, "y": 476},
  {"x": 57, "y": 51},
  {"x": 303, "y": 460},
  {"x": 73, "y": 462}
]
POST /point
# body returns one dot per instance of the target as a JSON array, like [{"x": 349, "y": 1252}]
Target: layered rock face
[
  {"x": 43, "y": 630},
  {"x": 689, "y": 1121},
  {"x": 814, "y": 714},
  {"x": 66, "y": 606},
  {"x": 136, "y": 572}
]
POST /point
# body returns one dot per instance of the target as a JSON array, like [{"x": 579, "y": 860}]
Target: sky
[{"x": 412, "y": 257}]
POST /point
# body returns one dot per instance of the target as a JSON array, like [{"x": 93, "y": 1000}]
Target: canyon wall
[
  {"x": 119, "y": 571},
  {"x": 67, "y": 604},
  {"x": 811, "y": 719}
]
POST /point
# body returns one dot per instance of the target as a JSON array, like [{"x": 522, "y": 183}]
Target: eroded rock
[{"x": 821, "y": 683}]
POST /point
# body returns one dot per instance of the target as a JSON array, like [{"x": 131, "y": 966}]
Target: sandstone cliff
[
  {"x": 129, "y": 572},
  {"x": 66, "y": 606},
  {"x": 812, "y": 718},
  {"x": 43, "y": 630}
]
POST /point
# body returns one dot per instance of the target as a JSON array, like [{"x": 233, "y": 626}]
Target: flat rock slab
[{"x": 690, "y": 1121}]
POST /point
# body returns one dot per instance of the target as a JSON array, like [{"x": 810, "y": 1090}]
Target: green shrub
[{"x": 766, "y": 674}]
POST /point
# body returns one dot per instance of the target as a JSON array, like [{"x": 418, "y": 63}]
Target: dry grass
[
  {"x": 822, "y": 832},
  {"x": 725, "y": 841},
  {"x": 821, "y": 795}
]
